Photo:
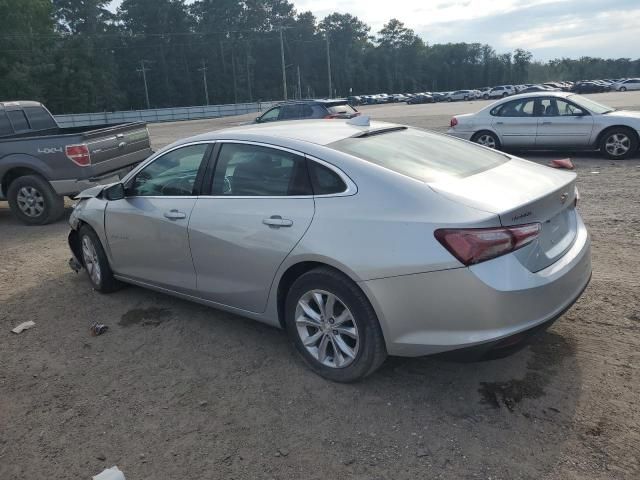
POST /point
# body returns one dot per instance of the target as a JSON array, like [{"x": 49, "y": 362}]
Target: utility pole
[
  {"x": 204, "y": 80},
  {"x": 329, "y": 64},
  {"x": 284, "y": 74},
  {"x": 299, "y": 87},
  {"x": 143, "y": 69}
]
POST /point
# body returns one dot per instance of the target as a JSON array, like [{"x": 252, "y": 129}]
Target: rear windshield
[
  {"x": 422, "y": 155},
  {"x": 345, "y": 108}
]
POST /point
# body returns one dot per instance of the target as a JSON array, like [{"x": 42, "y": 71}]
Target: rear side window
[
  {"x": 18, "y": 120},
  {"x": 244, "y": 170},
  {"x": 39, "y": 118},
  {"x": 5, "y": 126},
  {"x": 421, "y": 155},
  {"x": 324, "y": 180}
]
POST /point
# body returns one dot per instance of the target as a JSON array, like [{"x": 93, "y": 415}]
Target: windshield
[
  {"x": 425, "y": 156},
  {"x": 595, "y": 107}
]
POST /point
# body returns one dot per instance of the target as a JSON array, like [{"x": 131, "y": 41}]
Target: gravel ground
[{"x": 175, "y": 390}]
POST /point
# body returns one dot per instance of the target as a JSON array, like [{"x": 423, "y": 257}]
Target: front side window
[
  {"x": 271, "y": 115},
  {"x": 172, "y": 174},
  {"x": 566, "y": 109},
  {"x": 244, "y": 170},
  {"x": 5, "y": 126}
]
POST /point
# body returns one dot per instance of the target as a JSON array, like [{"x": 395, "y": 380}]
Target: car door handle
[
  {"x": 546, "y": 123},
  {"x": 175, "y": 215},
  {"x": 499, "y": 123},
  {"x": 276, "y": 221}
]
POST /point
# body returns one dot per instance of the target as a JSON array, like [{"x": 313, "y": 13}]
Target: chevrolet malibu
[{"x": 360, "y": 239}]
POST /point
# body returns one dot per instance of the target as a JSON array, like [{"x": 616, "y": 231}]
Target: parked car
[
  {"x": 293, "y": 227},
  {"x": 552, "y": 120},
  {"x": 354, "y": 100},
  {"x": 41, "y": 162},
  {"x": 439, "y": 96},
  {"x": 398, "y": 97},
  {"x": 628, "y": 84},
  {"x": 587, "y": 87},
  {"x": 421, "y": 98},
  {"x": 308, "y": 109},
  {"x": 540, "y": 88},
  {"x": 460, "y": 95},
  {"x": 501, "y": 91}
]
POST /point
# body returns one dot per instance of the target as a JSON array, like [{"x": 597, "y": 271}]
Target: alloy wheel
[
  {"x": 617, "y": 144},
  {"x": 486, "y": 140},
  {"x": 327, "y": 328},
  {"x": 30, "y": 201},
  {"x": 91, "y": 262}
]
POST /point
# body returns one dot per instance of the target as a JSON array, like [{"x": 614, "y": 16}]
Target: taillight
[
  {"x": 475, "y": 245},
  {"x": 78, "y": 154},
  {"x": 453, "y": 122}
]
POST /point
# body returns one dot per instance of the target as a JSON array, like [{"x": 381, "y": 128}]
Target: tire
[
  {"x": 487, "y": 139},
  {"x": 93, "y": 255},
  {"x": 449, "y": 99},
  {"x": 618, "y": 143},
  {"x": 486, "y": 97},
  {"x": 504, "y": 94},
  {"x": 623, "y": 89},
  {"x": 347, "y": 358},
  {"x": 33, "y": 201}
]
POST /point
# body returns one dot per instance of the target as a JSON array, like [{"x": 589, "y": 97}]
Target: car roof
[
  {"x": 320, "y": 132},
  {"x": 328, "y": 101}
]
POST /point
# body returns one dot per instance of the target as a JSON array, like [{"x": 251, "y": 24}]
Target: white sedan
[{"x": 551, "y": 121}]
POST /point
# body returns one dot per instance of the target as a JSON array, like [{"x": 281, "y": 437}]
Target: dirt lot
[{"x": 178, "y": 391}]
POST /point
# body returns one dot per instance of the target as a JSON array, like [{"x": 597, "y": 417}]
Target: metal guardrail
[{"x": 161, "y": 114}]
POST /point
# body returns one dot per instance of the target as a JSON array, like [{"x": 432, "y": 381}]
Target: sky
[{"x": 547, "y": 28}]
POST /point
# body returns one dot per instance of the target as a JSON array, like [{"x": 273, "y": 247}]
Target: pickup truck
[{"x": 41, "y": 162}]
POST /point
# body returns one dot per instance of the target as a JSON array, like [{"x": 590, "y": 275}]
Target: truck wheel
[{"x": 33, "y": 201}]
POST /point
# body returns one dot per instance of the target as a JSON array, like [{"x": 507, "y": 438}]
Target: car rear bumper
[{"x": 447, "y": 310}]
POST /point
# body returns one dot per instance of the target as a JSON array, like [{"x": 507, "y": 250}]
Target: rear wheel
[
  {"x": 485, "y": 96},
  {"x": 487, "y": 139},
  {"x": 333, "y": 326},
  {"x": 33, "y": 200},
  {"x": 95, "y": 262},
  {"x": 623, "y": 89},
  {"x": 619, "y": 143},
  {"x": 504, "y": 94}
]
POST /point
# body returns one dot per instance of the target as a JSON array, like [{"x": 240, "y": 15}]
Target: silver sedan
[
  {"x": 549, "y": 121},
  {"x": 360, "y": 239}
]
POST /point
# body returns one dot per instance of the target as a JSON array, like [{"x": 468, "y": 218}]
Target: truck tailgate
[{"x": 117, "y": 147}]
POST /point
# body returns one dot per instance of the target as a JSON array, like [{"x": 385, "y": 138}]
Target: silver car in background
[
  {"x": 361, "y": 239},
  {"x": 550, "y": 121}
]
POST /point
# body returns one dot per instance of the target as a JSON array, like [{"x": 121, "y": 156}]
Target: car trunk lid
[{"x": 522, "y": 192}]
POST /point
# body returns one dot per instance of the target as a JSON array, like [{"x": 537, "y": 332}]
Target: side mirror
[
  {"x": 258, "y": 120},
  {"x": 115, "y": 192}
]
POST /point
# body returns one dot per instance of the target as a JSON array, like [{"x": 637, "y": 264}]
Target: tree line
[{"x": 79, "y": 56}]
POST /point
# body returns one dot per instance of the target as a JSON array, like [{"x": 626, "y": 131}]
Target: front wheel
[
  {"x": 333, "y": 326},
  {"x": 623, "y": 89},
  {"x": 95, "y": 262},
  {"x": 33, "y": 200},
  {"x": 486, "y": 139},
  {"x": 619, "y": 143}
]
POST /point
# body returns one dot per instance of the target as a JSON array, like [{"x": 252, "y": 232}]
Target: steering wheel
[{"x": 178, "y": 186}]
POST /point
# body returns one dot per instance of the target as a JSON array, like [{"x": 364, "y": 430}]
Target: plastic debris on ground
[
  {"x": 113, "y": 473},
  {"x": 98, "y": 329},
  {"x": 562, "y": 163},
  {"x": 24, "y": 326}
]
